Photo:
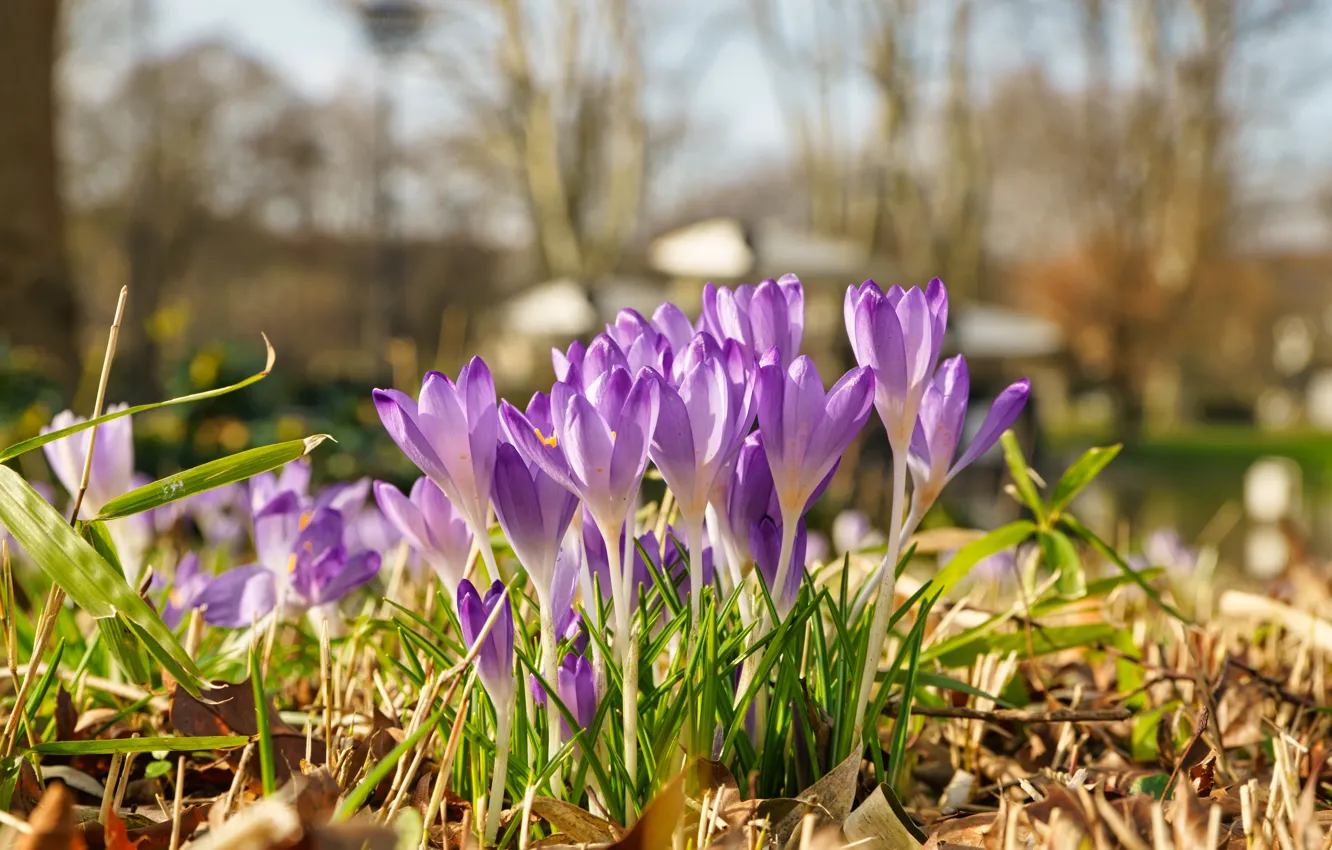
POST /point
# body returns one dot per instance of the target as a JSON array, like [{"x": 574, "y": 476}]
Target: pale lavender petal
[
  {"x": 1003, "y": 413},
  {"x": 400, "y": 422},
  {"x": 238, "y": 597}
]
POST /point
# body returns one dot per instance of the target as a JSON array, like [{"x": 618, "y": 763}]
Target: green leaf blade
[
  {"x": 216, "y": 473},
  {"x": 1080, "y": 474}
]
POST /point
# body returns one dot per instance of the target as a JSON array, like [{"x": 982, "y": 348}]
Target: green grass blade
[
  {"x": 170, "y": 743},
  {"x": 215, "y": 473},
  {"x": 1017, "y": 467},
  {"x": 267, "y": 764},
  {"x": 92, "y": 583},
  {"x": 1004, "y": 537},
  {"x": 1077, "y": 528},
  {"x": 42, "y": 439},
  {"x": 1080, "y": 474}
]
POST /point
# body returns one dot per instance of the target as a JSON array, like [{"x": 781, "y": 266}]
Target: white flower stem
[
  {"x": 694, "y": 533},
  {"x": 622, "y": 590},
  {"x": 550, "y": 671},
  {"x": 790, "y": 519},
  {"x": 503, "y": 724},
  {"x": 883, "y": 606},
  {"x": 482, "y": 535}
]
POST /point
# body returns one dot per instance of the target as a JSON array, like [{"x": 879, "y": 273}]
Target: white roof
[
  {"x": 556, "y": 308},
  {"x": 990, "y": 331}
]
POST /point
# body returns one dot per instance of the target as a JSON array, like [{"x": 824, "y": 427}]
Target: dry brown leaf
[
  {"x": 877, "y": 824},
  {"x": 232, "y": 712},
  {"x": 66, "y": 716},
  {"x": 656, "y": 828},
  {"x": 577, "y": 825},
  {"x": 831, "y": 798},
  {"x": 53, "y": 824}
]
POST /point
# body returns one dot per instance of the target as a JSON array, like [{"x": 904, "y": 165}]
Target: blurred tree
[
  {"x": 929, "y": 212},
  {"x": 555, "y": 94},
  {"x": 36, "y": 295},
  {"x": 1150, "y": 176}
]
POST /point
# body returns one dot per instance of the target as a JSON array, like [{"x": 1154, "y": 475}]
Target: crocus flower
[
  {"x": 898, "y": 333},
  {"x": 112, "y": 474},
  {"x": 534, "y": 510},
  {"x": 770, "y": 315},
  {"x": 432, "y": 527},
  {"x": 494, "y": 661},
  {"x": 805, "y": 430},
  {"x": 640, "y": 340},
  {"x": 943, "y": 411},
  {"x": 112, "y": 462},
  {"x": 699, "y": 428},
  {"x": 190, "y": 582},
  {"x": 494, "y": 666},
  {"x": 220, "y": 515},
  {"x": 765, "y": 538},
  {"x": 1164, "y": 547},
  {"x": 580, "y": 366},
  {"x": 599, "y": 445},
  {"x": 451, "y": 436},
  {"x": 671, "y": 322},
  {"x": 577, "y": 688},
  {"x": 315, "y": 571}
]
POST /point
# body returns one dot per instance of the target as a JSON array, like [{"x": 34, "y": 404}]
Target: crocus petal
[
  {"x": 587, "y": 446},
  {"x": 636, "y": 424},
  {"x": 238, "y": 597},
  {"x": 1003, "y": 413},
  {"x": 404, "y": 515},
  {"x": 353, "y": 573},
  {"x": 400, "y": 421}
]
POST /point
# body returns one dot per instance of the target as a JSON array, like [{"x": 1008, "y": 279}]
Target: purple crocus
[
  {"x": 765, "y": 540},
  {"x": 898, "y": 333},
  {"x": 699, "y": 428},
  {"x": 770, "y": 315},
  {"x": 599, "y": 445},
  {"x": 805, "y": 431},
  {"x": 189, "y": 584},
  {"x": 577, "y": 688},
  {"x": 112, "y": 474},
  {"x": 534, "y": 510},
  {"x": 313, "y": 573},
  {"x": 494, "y": 666},
  {"x": 431, "y": 525},
  {"x": 451, "y": 434},
  {"x": 640, "y": 340},
  {"x": 494, "y": 661},
  {"x": 112, "y": 462},
  {"x": 580, "y": 366},
  {"x": 943, "y": 411},
  {"x": 671, "y": 322}
]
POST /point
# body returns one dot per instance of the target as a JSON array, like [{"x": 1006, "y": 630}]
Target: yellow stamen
[
  {"x": 305, "y": 519},
  {"x": 550, "y": 441},
  {"x": 291, "y": 564}
]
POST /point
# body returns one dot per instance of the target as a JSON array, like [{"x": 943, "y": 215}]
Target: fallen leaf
[
  {"x": 881, "y": 823},
  {"x": 52, "y": 822},
  {"x": 76, "y": 779},
  {"x": 232, "y": 712},
  {"x": 656, "y": 828},
  {"x": 578, "y": 825},
  {"x": 266, "y": 825},
  {"x": 66, "y": 716},
  {"x": 831, "y": 797}
]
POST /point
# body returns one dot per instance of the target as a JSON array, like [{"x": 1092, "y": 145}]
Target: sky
[{"x": 319, "y": 47}]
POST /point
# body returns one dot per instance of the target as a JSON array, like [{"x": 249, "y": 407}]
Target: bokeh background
[{"x": 1130, "y": 201}]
